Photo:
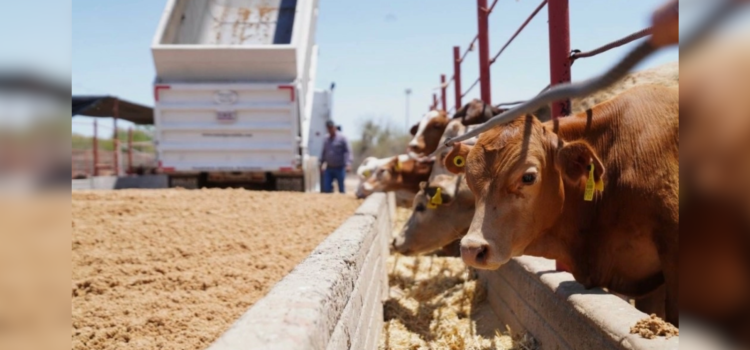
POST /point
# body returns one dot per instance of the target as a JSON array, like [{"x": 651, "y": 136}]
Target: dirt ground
[
  {"x": 436, "y": 303},
  {"x": 172, "y": 269}
]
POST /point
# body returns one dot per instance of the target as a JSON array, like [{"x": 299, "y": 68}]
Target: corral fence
[
  {"x": 125, "y": 152},
  {"x": 561, "y": 56}
]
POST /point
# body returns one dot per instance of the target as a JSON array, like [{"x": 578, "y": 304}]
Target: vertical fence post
[
  {"x": 95, "y": 143},
  {"x": 130, "y": 150},
  {"x": 434, "y": 102},
  {"x": 443, "y": 89},
  {"x": 559, "y": 51},
  {"x": 115, "y": 138},
  {"x": 484, "y": 51},
  {"x": 457, "y": 75}
]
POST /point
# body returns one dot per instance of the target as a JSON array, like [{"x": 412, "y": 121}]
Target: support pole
[
  {"x": 559, "y": 51},
  {"x": 434, "y": 102},
  {"x": 95, "y": 142},
  {"x": 130, "y": 151},
  {"x": 484, "y": 51},
  {"x": 115, "y": 138},
  {"x": 457, "y": 75},
  {"x": 443, "y": 90}
]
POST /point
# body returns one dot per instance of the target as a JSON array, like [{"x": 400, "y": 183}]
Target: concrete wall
[
  {"x": 530, "y": 296},
  {"x": 333, "y": 299},
  {"x": 117, "y": 183}
]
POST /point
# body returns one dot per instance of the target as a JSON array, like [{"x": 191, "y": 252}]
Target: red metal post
[
  {"x": 559, "y": 50},
  {"x": 443, "y": 89},
  {"x": 484, "y": 50},
  {"x": 115, "y": 139},
  {"x": 130, "y": 150},
  {"x": 457, "y": 75},
  {"x": 95, "y": 142}
]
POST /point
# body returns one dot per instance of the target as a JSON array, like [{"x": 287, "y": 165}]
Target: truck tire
[
  {"x": 192, "y": 182},
  {"x": 290, "y": 184}
]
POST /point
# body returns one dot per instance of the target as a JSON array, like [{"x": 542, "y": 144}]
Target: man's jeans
[{"x": 331, "y": 174}]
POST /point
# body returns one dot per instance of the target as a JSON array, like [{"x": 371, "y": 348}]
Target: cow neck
[{"x": 578, "y": 218}]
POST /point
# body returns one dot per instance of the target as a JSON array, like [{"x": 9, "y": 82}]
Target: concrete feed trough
[
  {"x": 334, "y": 299},
  {"x": 530, "y": 296}
]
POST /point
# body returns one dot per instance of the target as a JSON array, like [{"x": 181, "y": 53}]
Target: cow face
[
  {"x": 384, "y": 178},
  {"x": 516, "y": 173},
  {"x": 366, "y": 168},
  {"x": 427, "y": 133},
  {"x": 442, "y": 212}
]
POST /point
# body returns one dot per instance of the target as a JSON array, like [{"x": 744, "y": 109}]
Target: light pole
[{"x": 408, "y": 93}]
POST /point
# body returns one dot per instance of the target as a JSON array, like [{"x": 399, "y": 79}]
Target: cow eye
[
  {"x": 528, "y": 178},
  {"x": 420, "y": 207}
]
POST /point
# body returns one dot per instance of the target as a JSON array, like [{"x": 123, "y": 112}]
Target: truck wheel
[
  {"x": 187, "y": 182},
  {"x": 291, "y": 184}
]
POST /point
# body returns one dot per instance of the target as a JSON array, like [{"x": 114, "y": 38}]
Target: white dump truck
[{"x": 234, "y": 94}]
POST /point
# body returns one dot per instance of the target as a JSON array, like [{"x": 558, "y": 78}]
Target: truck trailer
[{"x": 234, "y": 97}]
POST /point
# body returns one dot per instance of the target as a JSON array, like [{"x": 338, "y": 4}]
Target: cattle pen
[{"x": 339, "y": 291}]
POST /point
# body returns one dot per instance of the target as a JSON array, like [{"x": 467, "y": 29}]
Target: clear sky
[{"x": 373, "y": 50}]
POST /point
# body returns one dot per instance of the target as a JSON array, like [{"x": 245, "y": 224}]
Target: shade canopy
[{"x": 103, "y": 106}]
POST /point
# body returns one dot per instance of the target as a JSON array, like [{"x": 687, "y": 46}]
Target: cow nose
[
  {"x": 397, "y": 245},
  {"x": 474, "y": 252}
]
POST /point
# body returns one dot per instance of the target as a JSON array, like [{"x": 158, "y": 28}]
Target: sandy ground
[
  {"x": 436, "y": 303},
  {"x": 172, "y": 269}
]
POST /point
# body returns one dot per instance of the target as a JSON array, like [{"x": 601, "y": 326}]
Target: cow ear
[
  {"x": 461, "y": 113},
  {"x": 437, "y": 196},
  {"x": 414, "y": 129},
  {"x": 455, "y": 161},
  {"x": 575, "y": 159},
  {"x": 475, "y": 113}
]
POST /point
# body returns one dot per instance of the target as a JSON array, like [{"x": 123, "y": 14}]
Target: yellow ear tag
[
  {"x": 600, "y": 185},
  {"x": 459, "y": 161},
  {"x": 366, "y": 173},
  {"x": 437, "y": 199},
  {"x": 588, "y": 195},
  {"x": 398, "y": 165}
]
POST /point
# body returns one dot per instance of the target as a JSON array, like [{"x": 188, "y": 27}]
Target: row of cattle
[{"x": 597, "y": 191}]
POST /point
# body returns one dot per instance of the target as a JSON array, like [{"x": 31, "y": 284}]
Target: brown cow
[
  {"x": 433, "y": 225},
  {"x": 530, "y": 181},
  {"x": 400, "y": 173},
  {"x": 427, "y": 133}
]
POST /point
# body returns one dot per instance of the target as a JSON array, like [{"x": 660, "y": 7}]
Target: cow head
[
  {"x": 519, "y": 174},
  {"x": 385, "y": 177},
  {"x": 442, "y": 212},
  {"x": 365, "y": 170},
  {"x": 476, "y": 112},
  {"x": 427, "y": 133}
]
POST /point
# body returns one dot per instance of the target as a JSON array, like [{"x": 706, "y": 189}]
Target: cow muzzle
[{"x": 479, "y": 253}]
